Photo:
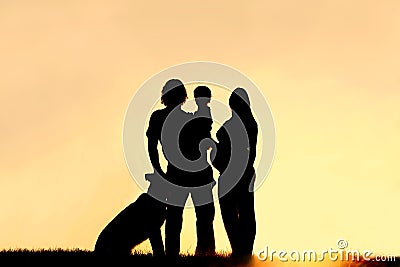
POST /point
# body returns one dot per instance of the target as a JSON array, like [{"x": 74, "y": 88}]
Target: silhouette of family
[{"x": 185, "y": 139}]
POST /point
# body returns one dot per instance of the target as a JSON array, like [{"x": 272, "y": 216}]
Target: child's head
[{"x": 202, "y": 95}]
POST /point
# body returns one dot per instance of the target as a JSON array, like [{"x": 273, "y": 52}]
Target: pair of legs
[
  {"x": 237, "y": 210},
  {"x": 205, "y": 212}
]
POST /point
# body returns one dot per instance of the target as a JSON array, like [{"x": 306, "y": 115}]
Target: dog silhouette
[{"x": 139, "y": 221}]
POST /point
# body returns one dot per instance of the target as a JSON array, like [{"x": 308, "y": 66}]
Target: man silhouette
[{"x": 176, "y": 131}]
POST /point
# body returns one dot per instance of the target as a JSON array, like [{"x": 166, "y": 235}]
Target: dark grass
[
  {"x": 138, "y": 258},
  {"x": 55, "y": 257}
]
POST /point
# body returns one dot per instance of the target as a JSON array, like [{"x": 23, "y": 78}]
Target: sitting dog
[{"x": 139, "y": 221}]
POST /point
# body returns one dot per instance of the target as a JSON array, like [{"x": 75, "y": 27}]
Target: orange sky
[{"x": 329, "y": 70}]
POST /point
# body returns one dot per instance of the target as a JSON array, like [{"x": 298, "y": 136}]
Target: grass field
[
  {"x": 74, "y": 256},
  {"x": 78, "y": 256}
]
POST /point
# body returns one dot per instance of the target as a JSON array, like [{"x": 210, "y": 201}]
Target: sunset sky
[{"x": 330, "y": 71}]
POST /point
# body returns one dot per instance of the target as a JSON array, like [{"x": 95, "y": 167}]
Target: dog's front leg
[{"x": 157, "y": 244}]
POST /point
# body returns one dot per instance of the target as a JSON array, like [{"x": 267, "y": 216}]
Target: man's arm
[
  {"x": 153, "y": 135},
  {"x": 153, "y": 154}
]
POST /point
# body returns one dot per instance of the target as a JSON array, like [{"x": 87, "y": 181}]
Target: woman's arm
[
  {"x": 253, "y": 145},
  {"x": 223, "y": 154}
]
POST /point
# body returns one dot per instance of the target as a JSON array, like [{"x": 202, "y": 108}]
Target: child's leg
[{"x": 156, "y": 242}]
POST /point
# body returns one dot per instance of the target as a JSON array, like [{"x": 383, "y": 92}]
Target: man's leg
[
  {"x": 205, "y": 214},
  {"x": 173, "y": 223},
  {"x": 173, "y": 227}
]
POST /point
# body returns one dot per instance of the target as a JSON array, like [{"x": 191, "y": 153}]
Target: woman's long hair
[{"x": 239, "y": 102}]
